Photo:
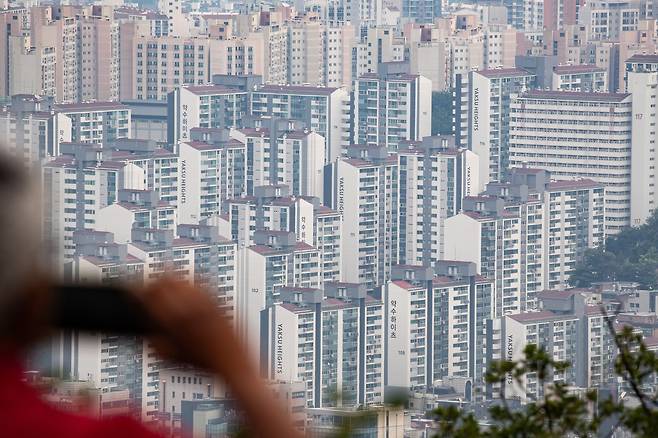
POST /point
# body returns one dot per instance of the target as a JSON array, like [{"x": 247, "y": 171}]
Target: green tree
[
  {"x": 560, "y": 412},
  {"x": 631, "y": 255}
]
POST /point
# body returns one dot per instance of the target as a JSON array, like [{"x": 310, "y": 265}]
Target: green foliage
[
  {"x": 441, "y": 112},
  {"x": 632, "y": 255},
  {"x": 560, "y": 412}
]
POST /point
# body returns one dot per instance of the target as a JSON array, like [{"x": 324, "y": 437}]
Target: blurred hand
[
  {"x": 193, "y": 330},
  {"x": 30, "y": 319}
]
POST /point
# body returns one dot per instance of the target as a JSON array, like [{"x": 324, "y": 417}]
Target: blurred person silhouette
[{"x": 190, "y": 328}]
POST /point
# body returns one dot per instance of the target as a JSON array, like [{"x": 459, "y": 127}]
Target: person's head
[{"x": 20, "y": 236}]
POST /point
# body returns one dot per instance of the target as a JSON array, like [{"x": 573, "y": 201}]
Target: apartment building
[
  {"x": 240, "y": 55},
  {"x": 29, "y": 131},
  {"x": 99, "y": 259},
  {"x": 135, "y": 209},
  {"x": 365, "y": 193},
  {"x": 391, "y": 108},
  {"x": 280, "y": 152},
  {"x": 105, "y": 361},
  {"x": 608, "y": 20},
  {"x": 641, "y": 82},
  {"x": 585, "y": 78},
  {"x": 75, "y": 188},
  {"x": 163, "y": 253},
  {"x": 32, "y": 70},
  {"x": 594, "y": 362},
  {"x": 59, "y": 36},
  {"x": 179, "y": 384},
  {"x": 160, "y": 165},
  {"x": 330, "y": 339},
  {"x": 556, "y": 334},
  {"x": 526, "y": 15},
  {"x": 338, "y": 47},
  {"x": 272, "y": 208},
  {"x": 377, "y": 45},
  {"x": 98, "y": 45},
  {"x": 578, "y": 135},
  {"x": 16, "y": 22},
  {"x": 320, "y": 54},
  {"x": 422, "y": 11},
  {"x": 96, "y": 122},
  {"x": 328, "y": 239},
  {"x": 487, "y": 132},
  {"x": 232, "y": 158},
  {"x": 434, "y": 176},
  {"x": 324, "y": 110},
  {"x": 203, "y": 106},
  {"x": 151, "y": 67},
  {"x": 528, "y": 234},
  {"x": 276, "y": 260},
  {"x": 433, "y": 317},
  {"x": 158, "y": 23},
  {"x": 306, "y": 40},
  {"x": 576, "y": 222},
  {"x": 202, "y": 187},
  {"x": 495, "y": 246},
  {"x": 214, "y": 258}
]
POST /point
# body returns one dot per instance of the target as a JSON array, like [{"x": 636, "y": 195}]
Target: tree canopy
[
  {"x": 562, "y": 412},
  {"x": 631, "y": 255}
]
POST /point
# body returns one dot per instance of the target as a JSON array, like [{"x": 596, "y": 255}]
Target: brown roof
[
  {"x": 545, "y": 315},
  {"x": 404, "y": 284},
  {"x": 202, "y": 146},
  {"x": 89, "y": 106},
  {"x": 566, "y": 184},
  {"x": 391, "y": 77},
  {"x": 581, "y": 68},
  {"x": 575, "y": 95},
  {"x": 296, "y": 89},
  {"x": 653, "y": 58},
  {"x": 212, "y": 89},
  {"x": 503, "y": 72}
]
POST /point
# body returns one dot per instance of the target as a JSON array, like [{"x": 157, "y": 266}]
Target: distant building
[
  {"x": 487, "y": 131},
  {"x": 601, "y": 151},
  {"x": 433, "y": 316},
  {"x": 555, "y": 333},
  {"x": 207, "y": 106},
  {"x": 511, "y": 243},
  {"x": 276, "y": 260},
  {"x": 584, "y": 78},
  {"x": 391, "y": 108},
  {"x": 324, "y": 110},
  {"x": 96, "y": 122},
  {"x": 330, "y": 339}
]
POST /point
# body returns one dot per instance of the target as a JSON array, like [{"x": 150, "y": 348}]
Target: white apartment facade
[
  {"x": 391, "y": 108},
  {"x": 434, "y": 176},
  {"x": 487, "y": 130},
  {"x": 366, "y": 195},
  {"x": 578, "y": 135},
  {"x": 276, "y": 260},
  {"x": 315, "y": 336},
  {"x": 70, "y": 206},
  {"x": 135, "y": 208},
  {"x": 324, "y": 110},
  {"x": 433, "y": 318},
  {"x": 203, "y": 106},
  {"x": 96, "y": 122},
  {"x": 284, "y": 155},
  {"x": 642, "y": 83},
  {"x": 584, "y": 78},
  {"x": 557, "y": 334}
]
